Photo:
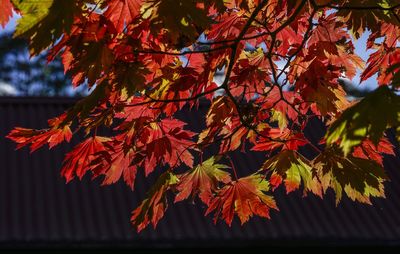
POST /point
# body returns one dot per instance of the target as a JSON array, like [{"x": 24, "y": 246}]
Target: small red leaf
[
  {"x": 78, "y": 161},
  {"x": 6, "y": 12}
]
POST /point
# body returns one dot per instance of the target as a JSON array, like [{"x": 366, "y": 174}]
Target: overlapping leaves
[
  {"x": 202, "y": 180},
  {"x": 358, "y": 21},
  {"x": 293, "y": 169},
  {"x": 43, "y": 22},
  {"x": 245, "y": 197},
  {"x": 266, "y": 69},
  {"x": 359, "y": 178},
  {"x": 368, "y": 118},
  {"x": 54, "y": 135}
]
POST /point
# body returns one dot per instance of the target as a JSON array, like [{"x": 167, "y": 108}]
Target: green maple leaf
[
  {"x": 358, "y": 178},
  {"x": 368, "y": 118},
  {"x": 292, "y": 168},
  {"x": 280, "y": 117},
  {"x": 44, "y": 21}
]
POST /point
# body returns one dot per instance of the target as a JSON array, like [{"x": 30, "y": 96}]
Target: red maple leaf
[
  {"x": 56, "y": 134},
  {"x": 245, "y": 197},
  {"x": 274, "y": 138},
  {"x": 123, "y": 12},
  {"x": 367, "y": 150},
  {"x": 115, "y": 162},
  {"x": 379, "y": 62},
  {"x": 328, "y": 31},
  {"x": 78, "y": 160},
  {"x": 6, "y": 12},
  {"x": 202, "y": 180}
]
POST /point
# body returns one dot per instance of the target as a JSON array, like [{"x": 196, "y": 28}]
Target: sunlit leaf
[
  {"x": 202, "y": 180},
  {"x": 368, "y": 118},
  {"x": 43, "y": 22},
  {"x": 293, "y": 169},
  {"x": 360, "y": 179},
  {"x": 6, "y": 12},
  {"x": 245, "y": 197}
]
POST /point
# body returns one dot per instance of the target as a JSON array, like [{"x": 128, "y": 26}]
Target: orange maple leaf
[{"x": 245, "y": 197}]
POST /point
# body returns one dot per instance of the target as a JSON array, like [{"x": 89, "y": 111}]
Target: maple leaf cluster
[{"x": 266, "y": 68}]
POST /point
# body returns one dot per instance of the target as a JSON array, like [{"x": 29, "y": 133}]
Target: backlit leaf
[
  {"x": 360, "y": 179},
  {"x": 202, "y": 180},
  {"x": 293, "y": 169},
  {"x": 43, "y": 22},
  {"x": 368, "y": 118},
  {"x": 358, "y": 21},
  {"x": 6, "y": 12},
  {"x": 152, "y": 209},
  {"x": 77, "y": 162},
  {"x": 123, "y": 12},
  {"x": 56, "y": 134},
  {"x": 245, "y": 197}
]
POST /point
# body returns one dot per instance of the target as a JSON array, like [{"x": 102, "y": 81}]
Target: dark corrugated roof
[{"x": 37, "y": 208}]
